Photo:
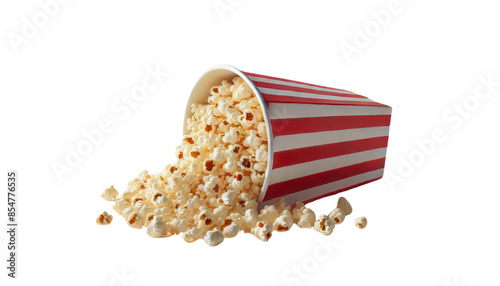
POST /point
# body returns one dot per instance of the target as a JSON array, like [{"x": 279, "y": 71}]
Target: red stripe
[
  {"x": 302, "y": 89},
  {"x": 289, "y": 80},
  {"x": 313, "y": 153},
  {"x": 339, "y": 191},
  {"x": 288, "y": 126},
  {"x": 311, "y": 181},
  {"x": 304, "y": 100}
]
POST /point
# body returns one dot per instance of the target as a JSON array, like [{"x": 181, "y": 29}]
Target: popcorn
[
  {"x": 219, "y": 155},
  {"x": 225, "y": 88},
  {"x": 179, "y": 153},
  {"x": 179, "y": 225},
  {"x": 257, "y": 178},
  {"x": 195, "y": 152},
  {"x": 104, "y": 219},
  {"x": 214, "y": 237},
  {"x": 252, "y": 141},
  {"x": 209, "y": 166},
  {"x": 231, "y": 165},
  {"x": 188, "y": 139},
  {"x": 161, "y": 201},
  {"x": 220, "y": 213},
  {"x": 230, "y": 228},
  {"x": 262, "y": 130},
  {"x": 234, "y": 149},
  {"x": 242, "y": 92},
  {"x": 157, "y": 227},
  {"x": 194, "y": 203},
  {"x": 283, "y": 222},
  {"x": 245, "y": 163},
  {"x": 250, "y": 219},
  {"x": 135, "y": 220},
  {"x": 192, "y": 234},
  {"x": 109, "y": 194},
  {"x": 337, "y": 215},
  {"x": 344, "y": 205},
  {"x": 269, "y": 214},
  {"x": 126, "y": 212},
  {"x": 205, "y": 220},
  {"x": 261, "y": 155},
  {"x": 240, "y": 181},
  {"x": 247, "y": 119},
  {"x": 146, "y": 211},
  {"x": 121, "y": 205},
  {"x": 223, "y": 127},
  {"x": 260, "y": 167},
  {"x": 281, "y": 206},
  {"x": 229, "y": 197},
  {"x": 324, "y": 225},
  {"x": 262, "y": 231},
  {"x": 211, "y": 191},
  {"x": 361, "y": 222},
  {"x": 212, "y": 186},
  {"x": 231, "y": 136},
  {"x": 307, "y": 218}
]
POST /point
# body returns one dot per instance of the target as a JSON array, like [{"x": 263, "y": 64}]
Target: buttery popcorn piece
[
  {"x": 214, "y": 237},
  {"x": 337, "y": 215},
  {"x": 135, "y": 220},
  {"x": 361, "y": 222},
  {"x": 262, "y": 231},
  {"x": 110, "y": 194},
  {"x": 344, "y": 205},
  {"x": 104, "y": 219},
  {"x": 324, "y": 225}
]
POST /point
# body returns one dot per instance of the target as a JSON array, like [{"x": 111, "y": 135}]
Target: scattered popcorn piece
[
  {"x": 324, "y": 225},
  {"x": 230, "y": 230},
  {"x": 250, "y": 219},
  {"x": 109, "y": 194},
  {"x": 179, "y": 225},
  {"x": 192, "y": 234},
  {"x": 262, "y": 231},
  {"x": 157, "y": 227},
  {"x": 135, "y": 220},
  {"x": 337, "y": 215},
  {"x": 269, "y": 214},
  {"x": 344, "y": 205},
  {"x": 283, "y": 223},
  {"x": 121, "y": 205},
  {"x": 361, "y": 222},
  {"x": 214, "y": 237},
  {"x": 306, "y": 218},
  {"x": 104, "y": 219},
  {"x": 126, "y": 212}
]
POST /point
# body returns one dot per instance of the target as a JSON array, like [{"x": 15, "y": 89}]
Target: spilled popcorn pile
[{"x": 212, "y": 190}]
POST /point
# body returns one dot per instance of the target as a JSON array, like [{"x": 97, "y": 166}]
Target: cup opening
[{"x": 200, "y": 94}]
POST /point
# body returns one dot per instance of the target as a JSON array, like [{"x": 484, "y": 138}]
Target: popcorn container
[{"x": 321, "y": 140}]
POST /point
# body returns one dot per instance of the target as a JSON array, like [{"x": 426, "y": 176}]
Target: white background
[{"x": 437, "y": 225}]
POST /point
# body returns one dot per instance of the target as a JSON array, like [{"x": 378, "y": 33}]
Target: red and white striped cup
[{"x": 322, "y": 140}]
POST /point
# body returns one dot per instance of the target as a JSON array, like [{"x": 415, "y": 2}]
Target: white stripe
[
  {"x": 328, "y": 188},
  {"x": 310, "y": 95},
  {"x": 314, "y": 167},
  {"x": 287, "y": 83},
  {"x": 295, "y": 141},
  {"x": 279, "y": 110}
]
